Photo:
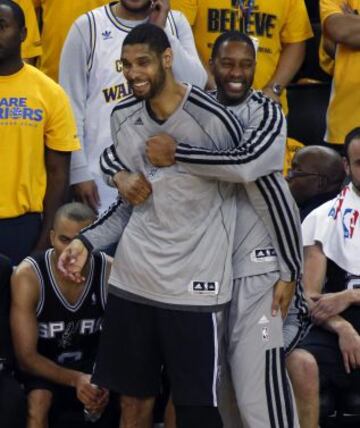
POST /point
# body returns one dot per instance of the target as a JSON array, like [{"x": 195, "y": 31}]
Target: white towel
[{"x": 335, "y": 225}]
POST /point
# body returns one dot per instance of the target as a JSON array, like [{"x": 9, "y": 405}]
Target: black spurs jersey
[{"x": 68, "y": 334}]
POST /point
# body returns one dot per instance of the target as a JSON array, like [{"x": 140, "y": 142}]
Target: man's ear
[
  {"x": 23, "y": 34},
  {"x": 167, "y": 58}
]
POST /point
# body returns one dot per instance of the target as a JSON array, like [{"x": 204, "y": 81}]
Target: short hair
[
  {"x": 352, "y": 135},
  {"x": 232, "y": 36},
  {"x": 148, "y": 34},
  {"x": 17, "y": 11},
  {"x": 75, "y": 211}
]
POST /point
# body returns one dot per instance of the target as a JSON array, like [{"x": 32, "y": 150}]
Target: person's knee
[
  {"x": 303, "y": 372},
  {"x": 136, "y": 412},
  {"x": 38, "y": 405}
]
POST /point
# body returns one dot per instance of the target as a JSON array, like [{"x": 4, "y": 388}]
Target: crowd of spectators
[{"x": 61, "y": 76}]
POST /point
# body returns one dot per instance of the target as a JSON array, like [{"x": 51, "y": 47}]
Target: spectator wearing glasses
[{"x": 316, "y": 176}]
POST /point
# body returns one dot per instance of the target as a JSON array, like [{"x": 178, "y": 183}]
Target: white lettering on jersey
[{"x": 87, "y": 327}]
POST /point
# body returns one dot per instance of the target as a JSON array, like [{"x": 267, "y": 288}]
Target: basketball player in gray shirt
[
  {"x": 173, "y": 265},
  {"x": 262, "y": 254}
]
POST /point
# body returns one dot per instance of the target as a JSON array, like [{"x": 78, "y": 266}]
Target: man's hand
[
  {"x": 160, "y": 150},
  {"x": 329, "y": 304},
  {"x": 87, "y": 193},
  {"x": 349, "y": 343},
  {"x": 271, "y": 94},
  {"x": 94, "y": 399},
  {"x": 72, "y": 261},
  {"x": 159, "y": 12},
  {"x": 283, "y": 294},
  {"x": 132, "y": 186}
]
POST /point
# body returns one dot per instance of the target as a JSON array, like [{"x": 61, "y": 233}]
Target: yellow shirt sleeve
[
  {"x": 187, "y": 7},
  {"x": 31, "y": 47},
  {"x": 60, "y": 129},
  {"x": 297, "y": 26},
  {"x": 329, "y": 7}
]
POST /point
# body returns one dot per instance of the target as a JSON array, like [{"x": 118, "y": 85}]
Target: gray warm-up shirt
[{"x": 177, "y": 246}]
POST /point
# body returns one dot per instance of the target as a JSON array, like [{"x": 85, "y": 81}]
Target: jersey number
[{"x": 69, "y": 357}]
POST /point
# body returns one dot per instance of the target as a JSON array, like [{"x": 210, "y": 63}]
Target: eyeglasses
[{"x": 292, "y": 173}]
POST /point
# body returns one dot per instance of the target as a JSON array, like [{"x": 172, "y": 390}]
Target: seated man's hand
[
  {"x": 160, "y": 150},
  {"x": 72, "y": 261},
  {"x": 87, "y": 193},
  {"x": 283, "y": 294},
  {"x": 94, "y": 399},
  {"x": 132, "y": 186},
  {"x": 330, "y": 304},
  {"x": 349, "y": 343}
]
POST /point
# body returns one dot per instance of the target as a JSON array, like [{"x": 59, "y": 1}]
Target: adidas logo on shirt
[
  {"x": 106, "y": 35},
  {"x": 203, "y": 287}
]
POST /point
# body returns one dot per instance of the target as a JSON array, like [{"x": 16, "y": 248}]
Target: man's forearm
[
  {"x": 290, "y": 61},
  {"x": 258, "y": 153},
  {"x": 344, "y": 29},
  {"x": 108, "y": 228},
  {"x": 336, "y": 324}
]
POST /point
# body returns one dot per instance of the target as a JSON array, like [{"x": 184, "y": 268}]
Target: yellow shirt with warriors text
[{"x": 34, "y": 113}]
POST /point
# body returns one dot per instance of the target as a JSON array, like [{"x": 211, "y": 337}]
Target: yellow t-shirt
[
  {"x": 187, "y": 7},
  {"x": 34, "y": 112},
  {"x": 31, "y": 47},
  {"x": 273, "y": 23},
  {"x": 344, "y": 109},
  {"x": 57, "y": 18}
]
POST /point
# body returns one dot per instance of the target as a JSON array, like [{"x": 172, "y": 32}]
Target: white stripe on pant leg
[{"x": 216, "y": 360}]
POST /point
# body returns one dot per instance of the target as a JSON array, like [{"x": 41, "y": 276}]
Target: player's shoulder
[
  {"x": 30, "y": 267},
  {"x": 87, "y": 21},
  {"x": 127, "y": 107},
  {"x": 206, "y": 102},
  {"x": 258, "y": 98},
  {"x": 176, "y": 16},
  {"x": 260, "y": 105},
  {"x": 98, "y": 12}
]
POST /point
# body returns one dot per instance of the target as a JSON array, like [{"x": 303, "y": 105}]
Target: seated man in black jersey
[
  {"x": 331, "y": 235},
  {"x": 55, "y": 323}
]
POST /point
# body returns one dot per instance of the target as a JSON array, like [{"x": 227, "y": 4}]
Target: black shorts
[
  {"x": 324, "y": 346},
  {"x": 138, "y": 340}
]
